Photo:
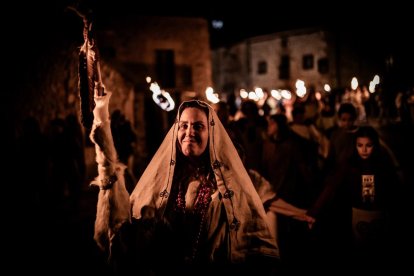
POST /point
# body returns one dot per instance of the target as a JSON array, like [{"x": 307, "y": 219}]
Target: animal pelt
[{"x": 113, "y": 207}]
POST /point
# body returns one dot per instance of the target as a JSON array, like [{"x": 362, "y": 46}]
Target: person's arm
[
  {"x": 280, "y": 206},
  {"x": 273, "y": 203},
  {"x": 332, "y": 184}
]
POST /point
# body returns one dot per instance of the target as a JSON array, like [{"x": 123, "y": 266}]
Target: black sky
[
  {"x": 241, "y": 20},
  {"x": 36, "y": 27}
]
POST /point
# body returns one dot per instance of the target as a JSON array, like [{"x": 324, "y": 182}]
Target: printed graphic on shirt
[{"x": 368, "y": 188}]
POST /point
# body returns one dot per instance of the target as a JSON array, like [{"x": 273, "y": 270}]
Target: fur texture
[{"x": 113, "y": 207}]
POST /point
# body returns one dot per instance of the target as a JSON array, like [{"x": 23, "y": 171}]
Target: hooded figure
[{"x": 194, "y": 204}]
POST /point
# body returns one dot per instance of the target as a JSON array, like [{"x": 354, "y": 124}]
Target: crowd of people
[
  {"x": 258, "y": 194},
  {"x": 259, "y": 191}
]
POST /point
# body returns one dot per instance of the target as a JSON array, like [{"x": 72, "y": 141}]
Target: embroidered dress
[{"x": 243, "y": 229}]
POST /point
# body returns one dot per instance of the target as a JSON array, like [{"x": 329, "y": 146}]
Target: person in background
[
  {"x": 358, "y": 197},
  {"x": 250, "y": 129},
  {"x": 273, "y": 204},
  {"x": 341, "y": 136},
  {"x": 290, "y": 163}
]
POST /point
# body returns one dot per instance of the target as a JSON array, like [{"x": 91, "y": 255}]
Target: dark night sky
[
  {"x": 241, "y": 21},
  {"x": 39, "y": 27}
]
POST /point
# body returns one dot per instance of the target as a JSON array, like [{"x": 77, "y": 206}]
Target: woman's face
[
  {"x": 193, "y": 132},
  {"x": 364, "y": 147},
  {"x": 346, "y": 121}
]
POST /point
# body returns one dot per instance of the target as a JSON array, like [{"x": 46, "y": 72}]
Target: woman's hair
[
  {"x": 282, "y": 125},
  {"x": 195, "y": 104},
  {"x": 347, "y": 108},
  {"x": 249, "y": 108},
  {"x": 372, "y": 134},
  {"x": 369, "y": 132}
]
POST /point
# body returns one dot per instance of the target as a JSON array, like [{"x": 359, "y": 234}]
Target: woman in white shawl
[{"x": 194, "y": 204}]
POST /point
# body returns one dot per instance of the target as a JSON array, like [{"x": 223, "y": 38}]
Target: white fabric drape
[{"x": 245, "y": 215}]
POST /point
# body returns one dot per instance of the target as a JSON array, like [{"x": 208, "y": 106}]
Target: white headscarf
[{"x": 245, "y": 215}]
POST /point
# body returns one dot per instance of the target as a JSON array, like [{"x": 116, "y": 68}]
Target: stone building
[
  {"x": 275, "y": 61},
  {"x": 173, "y": 51}
]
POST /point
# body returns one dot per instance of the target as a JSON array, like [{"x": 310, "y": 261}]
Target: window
[
  {"x": 262, "y": 67},
  {"x": 284, "y": 68},
  {"x": 307, "y": 62},
  {"x": 187, "y": 75},
  {"x": 284, "y": 43},
  {"x": 165, "y": 68},
  {"x": 323, "y": 65}
]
